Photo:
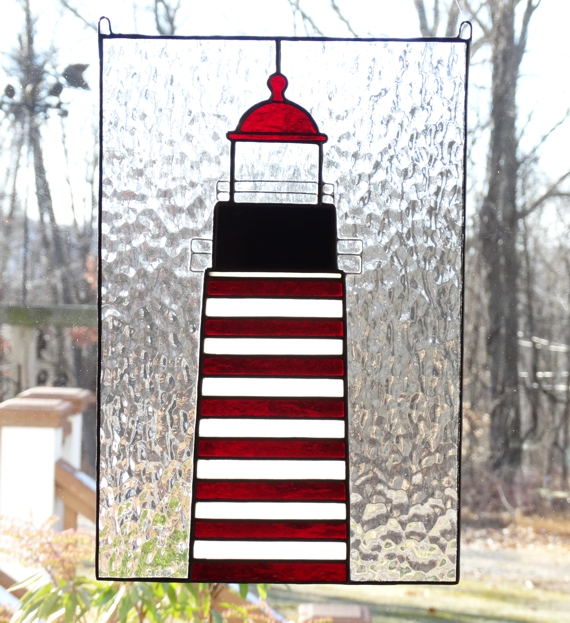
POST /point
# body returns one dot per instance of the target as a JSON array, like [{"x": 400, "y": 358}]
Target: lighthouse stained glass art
[{"x": 282, "y": 234}]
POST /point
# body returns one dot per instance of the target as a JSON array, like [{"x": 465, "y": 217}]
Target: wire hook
[
  {"x": 461, "y": 28},
  {"x": 99, "y": 26}
]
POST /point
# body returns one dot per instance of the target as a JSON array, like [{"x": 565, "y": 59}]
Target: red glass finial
[{"x": 277, "y": 83}]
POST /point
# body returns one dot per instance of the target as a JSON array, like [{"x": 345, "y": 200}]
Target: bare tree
[
  {"x": 46, "y": 253},
  {"x": 502, "y": 212},
  {"x": 165, "y": 16},
  {"x": 499, "y": 230},
  {"x": 27, "y": 108},
  {"x": 310, "y": 25},
  {"x": 451, "y": 9},
  {"x": 165, "y": 13}
]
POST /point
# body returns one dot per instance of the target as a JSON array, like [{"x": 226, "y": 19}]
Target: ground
[{"x": 509, "y": 575}]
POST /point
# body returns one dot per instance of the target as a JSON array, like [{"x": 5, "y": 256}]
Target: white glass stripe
[
  {"x": 279, "y": 275},
  {"x": 235, "y": 469},
  {"x": 229, "y": 427},
  {"x": 273, "y": 387},
  {"x": 271, "y": 346},
  {"x": 286, "y": 308},
  {"x": 270, "y": 550},
  {"x": 270, "y": 510}
]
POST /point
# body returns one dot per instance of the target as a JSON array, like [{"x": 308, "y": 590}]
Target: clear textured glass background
[{"x": 394, "y": 114}]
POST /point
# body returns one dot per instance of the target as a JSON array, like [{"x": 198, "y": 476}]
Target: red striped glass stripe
[
  {"x": 256, "y": 571},
  {"x": 269, "y": 287},
  {"x": 274, "y": 328},
  {"x": 321, "y": 490},
  {"x": 275, "y": 530},
  {"x": 274, "y": 366},
  {"x": 263, "y": 448},
  {"x": 232, "y": 407}
]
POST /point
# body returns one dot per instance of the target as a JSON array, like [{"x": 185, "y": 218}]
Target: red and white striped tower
[{"x": 271, "y": 473}]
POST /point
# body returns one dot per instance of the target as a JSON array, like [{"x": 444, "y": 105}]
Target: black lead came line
[{"x": 278, "y": 56}]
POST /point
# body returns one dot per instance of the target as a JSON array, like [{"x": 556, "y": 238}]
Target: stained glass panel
[{"x": 292, "y": 366}]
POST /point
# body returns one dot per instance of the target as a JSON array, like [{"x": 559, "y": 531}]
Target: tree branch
[
  {"x": 294, "y": 4},
  {"x": 435, "y": 17},
  {"x": 475, "y": 17},
  {"x": 342, "y": 18},
  {"x": 477, "y": 45},
  {"x": 544, "y": 138},
  {"x": 452, "y": 19},
  {"x": 553, "y": 191},
  {"x": 75, "y": 12},
  {"x": 523, "y": 38},
  {"x": 169, "y": 16},
  {"x": 422, "y": 15}
]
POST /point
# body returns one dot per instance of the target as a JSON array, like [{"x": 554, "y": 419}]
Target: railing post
[
  {"x": 80, "y": 399},
  {"x": 31, "y": 432},
  {"x": 71, "y": 447}
]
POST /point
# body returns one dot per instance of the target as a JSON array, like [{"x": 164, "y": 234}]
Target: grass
[{"x": 468, "y": 602}]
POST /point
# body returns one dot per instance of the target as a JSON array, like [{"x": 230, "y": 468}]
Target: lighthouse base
[{"x": 270, "y": 496}]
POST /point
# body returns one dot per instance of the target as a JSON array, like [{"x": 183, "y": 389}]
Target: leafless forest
[{"x": 516, "y": 443}]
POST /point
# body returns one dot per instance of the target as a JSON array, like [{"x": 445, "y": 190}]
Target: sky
[{"x": 544, "y": 89}]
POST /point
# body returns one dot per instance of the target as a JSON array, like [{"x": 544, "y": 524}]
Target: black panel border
[{"x": 101, "y": 38}]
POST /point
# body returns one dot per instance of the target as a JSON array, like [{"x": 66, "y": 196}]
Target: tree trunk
[
  {"x": 498, "y": 231},
  {"x": 45, "y": 205}
]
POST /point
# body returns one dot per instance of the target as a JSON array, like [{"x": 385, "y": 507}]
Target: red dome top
[{"x": 277, "y": 119}]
